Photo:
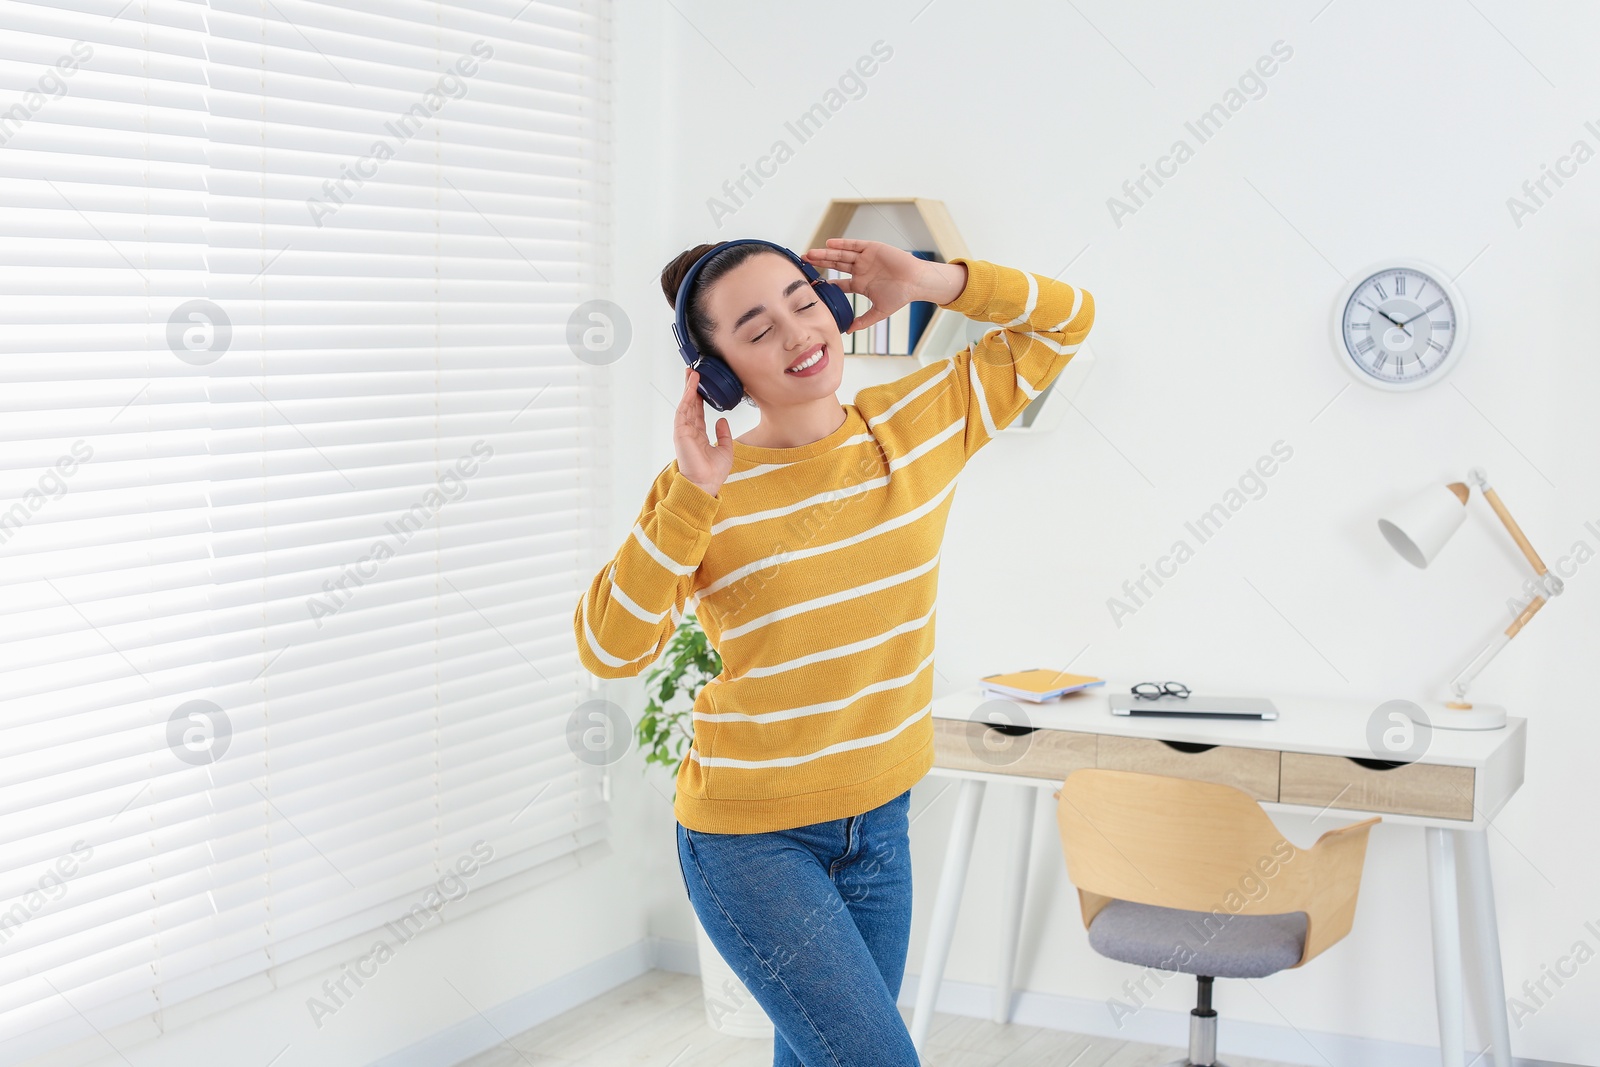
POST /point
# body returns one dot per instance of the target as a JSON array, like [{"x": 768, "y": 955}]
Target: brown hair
[{"x": 699, "y": 323}]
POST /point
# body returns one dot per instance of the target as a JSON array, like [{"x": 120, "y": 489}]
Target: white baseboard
[
  {"x": 1285, "y": 1044},
  {"x": 1046, "y": 1010},
  {"x": 680, "y": 956}
]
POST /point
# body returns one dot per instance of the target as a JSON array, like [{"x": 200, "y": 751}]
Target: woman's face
[{"x": 770, "y": 318}]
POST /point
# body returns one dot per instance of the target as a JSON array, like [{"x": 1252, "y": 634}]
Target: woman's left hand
[{"x": 889, "y": 277}]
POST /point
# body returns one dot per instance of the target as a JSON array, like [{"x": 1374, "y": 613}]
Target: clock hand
[
  {"x": 1413, "y": 318},
  {"x": 1402, "y": 325}
]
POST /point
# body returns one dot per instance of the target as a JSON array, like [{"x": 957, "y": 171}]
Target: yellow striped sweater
[{"x": 813, "y": 573}]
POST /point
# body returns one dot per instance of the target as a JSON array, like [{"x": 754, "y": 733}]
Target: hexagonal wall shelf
[{"x": 912, "y": 222}]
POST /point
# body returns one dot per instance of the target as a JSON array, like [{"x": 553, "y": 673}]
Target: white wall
[{"x": 1392, "y": 130}]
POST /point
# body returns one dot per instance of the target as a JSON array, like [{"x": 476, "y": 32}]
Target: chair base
[
  {"x": 1187, "y": 1062},
  {"x": 1202, "y": 1029}
]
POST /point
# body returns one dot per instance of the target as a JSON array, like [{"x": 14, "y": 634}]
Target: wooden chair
[{"x": 1190, "y": 876}]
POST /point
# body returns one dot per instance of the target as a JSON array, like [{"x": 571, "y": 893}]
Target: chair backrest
[
  {"x": 1201, "y": 846},
  {"x": 1177, "y": 843}
]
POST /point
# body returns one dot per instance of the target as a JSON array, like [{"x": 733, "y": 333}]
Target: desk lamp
[{"x": 1417, "y": 530}]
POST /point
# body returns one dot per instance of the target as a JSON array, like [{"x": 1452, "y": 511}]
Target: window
[{"x": 294, "y": 481}]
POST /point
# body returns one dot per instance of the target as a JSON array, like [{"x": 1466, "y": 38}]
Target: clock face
[{"x": 1400, "y": 325}]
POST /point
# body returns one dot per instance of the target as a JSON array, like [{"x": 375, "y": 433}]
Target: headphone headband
[{"x": 719, "y": 386}]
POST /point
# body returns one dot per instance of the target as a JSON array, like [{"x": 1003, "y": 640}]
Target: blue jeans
[{"x": 815, "y": 921}]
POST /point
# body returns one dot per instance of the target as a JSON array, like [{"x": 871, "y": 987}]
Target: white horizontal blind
[{"x": 293, "y": 457}]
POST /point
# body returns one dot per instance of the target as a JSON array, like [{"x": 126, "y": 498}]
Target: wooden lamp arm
[
  {"x": 1512, "y": 528},
  {"x": 1551, "y": 584}
]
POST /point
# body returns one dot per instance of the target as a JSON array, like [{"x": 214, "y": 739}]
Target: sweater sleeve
[
  {"x": 988, "y": 384},
  {"x": 633, "y": 606}
]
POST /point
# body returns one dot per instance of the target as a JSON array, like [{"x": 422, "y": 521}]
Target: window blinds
[{"x": 292, "y": 478}]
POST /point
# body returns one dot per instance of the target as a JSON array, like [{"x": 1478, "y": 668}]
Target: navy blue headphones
[{"x": 718, "y": 384}]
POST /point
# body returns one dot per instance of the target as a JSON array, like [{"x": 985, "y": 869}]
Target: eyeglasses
[{"x": 1154, "y": 690}]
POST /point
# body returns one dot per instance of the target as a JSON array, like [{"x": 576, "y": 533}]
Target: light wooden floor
[{"x": 659, "y": 1019}]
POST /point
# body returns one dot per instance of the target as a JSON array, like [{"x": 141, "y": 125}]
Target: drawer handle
[
  {"x": 1191, "y": 747},
  {"x": 1377, "y": 764},
  {"x": 1010, "y": 729}
]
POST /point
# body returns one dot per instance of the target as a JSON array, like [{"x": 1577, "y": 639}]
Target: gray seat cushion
[{"x": 1198, "y": 942}]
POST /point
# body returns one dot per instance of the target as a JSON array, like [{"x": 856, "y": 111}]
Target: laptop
[{"x": 1194, "y": 707}]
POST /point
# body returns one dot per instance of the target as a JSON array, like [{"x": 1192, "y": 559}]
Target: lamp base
[{"x": 1452, "y": 716}]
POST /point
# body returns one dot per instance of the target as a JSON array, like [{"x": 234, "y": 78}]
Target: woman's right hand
[{"x": 703, "y": 463}]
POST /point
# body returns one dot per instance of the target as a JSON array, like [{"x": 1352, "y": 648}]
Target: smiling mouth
[{"x": 807, "y": 362}]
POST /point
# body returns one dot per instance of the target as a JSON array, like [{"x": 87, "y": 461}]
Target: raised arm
[
  {"x": 982, "y": 389},
  {"x": 632, "y": 607},
  {"x": 988, "y": 384}
]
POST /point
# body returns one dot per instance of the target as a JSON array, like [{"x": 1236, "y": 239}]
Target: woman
[{"x": 811, "y": 545}]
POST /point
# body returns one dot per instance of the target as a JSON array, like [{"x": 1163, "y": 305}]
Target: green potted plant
[
  {"x": 666, "y": 727},
  {"x": 664, "y": 732}
]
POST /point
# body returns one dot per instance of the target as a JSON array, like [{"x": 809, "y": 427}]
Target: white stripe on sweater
[
  {"x": 1077, "y": 302},
  {"x": 838, "y": 651},
  {"x": 831, "y": 495},
  {"x": 659, "y": 556},
  {"x": 801, "y": 711},
  {"x": 792, "y": 761},
  {"x": 768, "y": 468},
  {"x": 830, "y": 599},
  {"x": 980, "y": 399},
  {"x": 889, "y": 412},
  {"x": 1028, "y": 305},
  {"x": 595, "y": 647},
  {"x": 779, "y": 558},
  {"x": 626, "y": 601},
  {"x": 651, "y": 617}
]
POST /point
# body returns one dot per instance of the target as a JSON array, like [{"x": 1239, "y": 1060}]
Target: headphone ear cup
[
  {"x": 838, "y": 302},
  {"x": 835, "y": 299},
  {"x": 719, "y": 385}
]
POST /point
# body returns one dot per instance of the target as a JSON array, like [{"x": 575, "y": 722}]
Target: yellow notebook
[{"x": 1038, "y": 684}]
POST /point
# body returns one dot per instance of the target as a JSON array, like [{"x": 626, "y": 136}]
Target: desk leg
[
  {"x": 1011, "y": 903},
  {"x": 946, "y": 906},
  {"x": 1446, "y": 944},
  {"x": 1474, "y": 846}
]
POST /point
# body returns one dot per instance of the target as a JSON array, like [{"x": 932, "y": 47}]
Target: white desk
[{"x": 1307, "y": 760}]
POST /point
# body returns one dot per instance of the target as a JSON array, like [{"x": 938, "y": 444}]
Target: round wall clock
[{"x": 1400, "y": 324}]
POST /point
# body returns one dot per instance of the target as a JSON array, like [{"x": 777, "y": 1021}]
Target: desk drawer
[
  {"x": 1254, "y": 770},
  {"x": 961, "y": 744},
  {"x": 1428, "y": 789}
]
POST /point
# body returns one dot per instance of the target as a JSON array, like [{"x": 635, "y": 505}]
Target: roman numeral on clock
[{"x": 1364, "y": 346}]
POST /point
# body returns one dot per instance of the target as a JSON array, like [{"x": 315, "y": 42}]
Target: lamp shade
[{"x": 1419, "y": 527}]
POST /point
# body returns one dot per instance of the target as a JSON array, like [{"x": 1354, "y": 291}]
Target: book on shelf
[
  {"x": 920, "y": 310},
  {"x": 1037, "y": 685}
]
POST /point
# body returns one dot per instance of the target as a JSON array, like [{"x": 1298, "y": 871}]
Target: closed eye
[{"x": 768, "y": 330}]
